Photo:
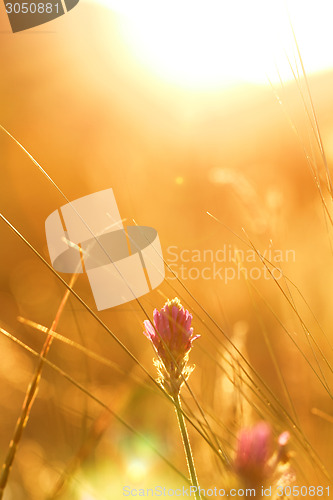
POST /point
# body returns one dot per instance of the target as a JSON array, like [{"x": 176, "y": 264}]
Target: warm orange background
[{"x": 78, "y": 100}]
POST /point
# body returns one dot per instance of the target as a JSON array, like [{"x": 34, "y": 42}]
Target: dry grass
[{"x": 233, "y": 170}]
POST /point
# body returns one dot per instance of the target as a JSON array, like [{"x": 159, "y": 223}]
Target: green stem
[{"x": 187, "y": 446}]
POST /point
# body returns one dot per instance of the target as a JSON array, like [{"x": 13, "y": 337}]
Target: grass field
[{"x": 237, "y": 183}]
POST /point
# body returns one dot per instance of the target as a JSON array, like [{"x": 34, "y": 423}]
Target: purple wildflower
[
  {"x": 255, "y": 461},
  {"x": 172, "y": 337},
  {"x": 253, "y": 453}
]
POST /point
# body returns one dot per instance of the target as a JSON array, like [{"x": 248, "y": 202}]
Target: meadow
[{"x": 236, "y": 181}]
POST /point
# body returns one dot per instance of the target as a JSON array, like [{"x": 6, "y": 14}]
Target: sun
[{"x": 214, "y": 43}]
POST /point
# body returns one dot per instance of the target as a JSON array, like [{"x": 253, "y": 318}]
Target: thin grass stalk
[
  {"x": 187, "y": 447},
  {"x": 30, "y": 398}
]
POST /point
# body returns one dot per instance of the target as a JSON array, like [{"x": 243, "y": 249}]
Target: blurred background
[{"x": 181, "y": 110}]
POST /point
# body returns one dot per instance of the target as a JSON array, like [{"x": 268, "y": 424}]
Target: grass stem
[
  {"x": 187, "y": 446},
  {"x": 29, "y": 399}
]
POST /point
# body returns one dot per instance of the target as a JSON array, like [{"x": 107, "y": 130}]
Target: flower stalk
[
  {"x": 187, "y": 447},
  {"x": 172, "y": 337}
]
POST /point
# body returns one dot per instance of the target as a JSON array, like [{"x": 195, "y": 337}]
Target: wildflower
[
  {"x": 253, "y": 452},
  {"x": 255, "y": 461},
  {"x": 172, "y": 337}
]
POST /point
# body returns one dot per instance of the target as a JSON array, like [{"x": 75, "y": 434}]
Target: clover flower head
[
  {"x": 172, "y": 337},
  {"x": 253, "y": 453},
  {"x": 256, "y": 461}
]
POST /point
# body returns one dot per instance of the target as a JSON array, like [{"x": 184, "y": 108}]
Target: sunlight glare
[
  {"x": 137, "y": 469},
  {"x": 213, "y": 42}
]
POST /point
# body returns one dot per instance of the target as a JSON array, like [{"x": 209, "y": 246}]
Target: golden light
[
  {"x": 137, "y": 469},
  {"x": 213, "y": 43}
]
